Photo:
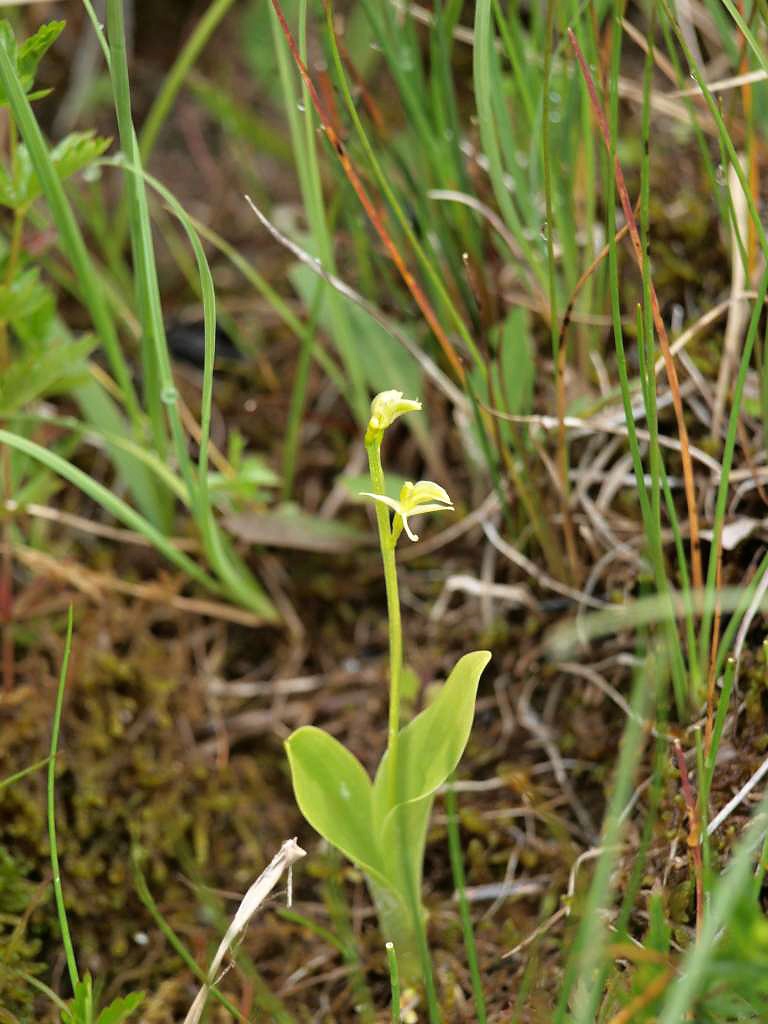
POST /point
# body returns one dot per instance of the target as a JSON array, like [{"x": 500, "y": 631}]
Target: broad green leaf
[
  {"x": 432, "y": 744},
  {"x": 429, "y": 750},
  {"x": 515, "y": 369},
  {"x": 334, "y": 794},
  {"x": 402, "y": 842},
  {"x": 289, "y": 527},
  {"x": 120, "y": 1009}
]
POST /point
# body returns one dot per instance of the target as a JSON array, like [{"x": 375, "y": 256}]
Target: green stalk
[
  {"x": 459, "y": 881},
  {"x": 387, "y": 544},
  {"x": 412, "y": 938},
  {"x": 394, "y": 982},
  {"x": 9, "y": 780},
  {"x": 61, "y": 910},
  {"x": 166, "y": 97}
]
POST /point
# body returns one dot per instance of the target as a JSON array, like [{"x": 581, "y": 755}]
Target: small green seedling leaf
[
  {"x": 21, "y": 186},
  {"x": 120, "y": 1009},
  {"x": 39, "y": 373},
  {"x": 77, "y": 151},
  {"x": 32, "y": 51},
  {"x": 334, "y": 794},
  {"x": 28, "y": 55},
  {"x": 24, "y": 297},
  {"x": 80, "y": 1010}
]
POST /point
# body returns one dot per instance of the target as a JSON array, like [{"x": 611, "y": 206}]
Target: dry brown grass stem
[
  {"x": 95, "y": 585},
  {"x": 430, "y": 368}
]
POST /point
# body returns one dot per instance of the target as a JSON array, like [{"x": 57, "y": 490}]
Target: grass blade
[{"x": 61, "y": 910}]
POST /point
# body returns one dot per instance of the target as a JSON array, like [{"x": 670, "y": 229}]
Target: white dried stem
[{"x": 283, "y": 860}]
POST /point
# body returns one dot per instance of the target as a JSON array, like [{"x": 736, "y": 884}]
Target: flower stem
[{"x": 387, "y": 544}]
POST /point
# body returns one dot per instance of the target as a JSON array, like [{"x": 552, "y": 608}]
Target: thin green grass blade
[
  {"x": 383, "y": 182},
  {"x": 174, "y": 941},
  {"x": 233, "y": 573},
  {"x": 459, "y": 882},
  {"x": 154, "y": 353},
  {"x": 9, "y": 780},
  {"x": 101, "y": 438},
  {"x": 275, "y": 300},
  {"x": 302, "y": 130},
  {"x": 723, "y": 704},
  {"x": 178, "y": 73},
  {"x": 61, "y": 910},
  {"x": 112, "y": 504},
  {"x": 166, "y": 97},
  {"x": 726, "y": 465},
  {"x": 484, "y": 64}
]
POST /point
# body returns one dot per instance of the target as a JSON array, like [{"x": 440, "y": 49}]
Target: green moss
[
  {"x": 19, "y": 948},
  {"x": 130, "y": 771}
]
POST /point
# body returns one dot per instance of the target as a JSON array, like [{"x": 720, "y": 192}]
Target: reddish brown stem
[
  {"x": 694, "y": 832},
  {"x": 712, "y": 675}
]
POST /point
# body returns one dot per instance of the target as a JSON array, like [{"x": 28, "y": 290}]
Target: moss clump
[{"x": 133, "y": 769}]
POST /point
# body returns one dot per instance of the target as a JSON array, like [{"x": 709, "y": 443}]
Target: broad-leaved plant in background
[{"x": 381, "y": 825}]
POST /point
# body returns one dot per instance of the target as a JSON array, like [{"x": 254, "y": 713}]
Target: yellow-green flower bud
[{"x": 385, "y": 409}]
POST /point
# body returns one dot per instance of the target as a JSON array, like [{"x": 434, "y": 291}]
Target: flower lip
[{"x": 415, "y": 500}]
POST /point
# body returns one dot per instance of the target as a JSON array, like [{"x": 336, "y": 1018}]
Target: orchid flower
[{"x": 415, "y": 500}]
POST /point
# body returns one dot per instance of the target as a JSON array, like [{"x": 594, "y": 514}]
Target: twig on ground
[{"x": 742, "y": 794}]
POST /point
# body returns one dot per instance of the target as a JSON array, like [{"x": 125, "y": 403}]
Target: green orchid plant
[{"x": 381, "y": 825}]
